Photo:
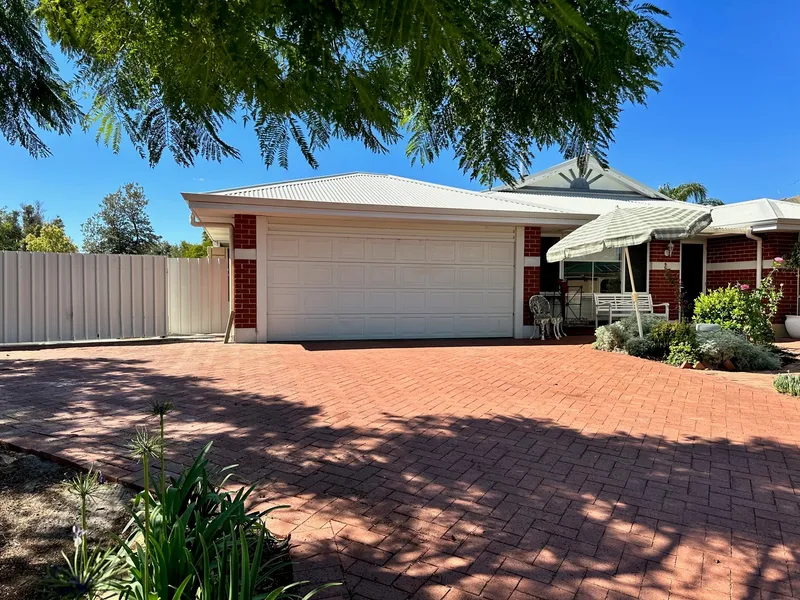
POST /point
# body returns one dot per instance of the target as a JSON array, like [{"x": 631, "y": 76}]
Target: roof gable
[{"x": 565, "y": 178}]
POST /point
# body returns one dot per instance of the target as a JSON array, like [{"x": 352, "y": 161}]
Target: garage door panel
[
  {"x": 381, "y": 250},
  {"x": 349, "y": 275},
  {"x": 349, "y": 249},
  {"x": 413, "y": 276},
  {"x": 316, "y": 274},
  {"x": 501, "y": 253},
  {"x": 381, "y": 276},
  {"x": 314, "y": 248},
  {"x": 411, "y": 251},
  {"x": 441, "y": 251},
  {"x": 472, "y": 252},
  {"x": 502, "y": 277},
  {"x": 443, "y": 276},
  {"x": 408, "y": 301},
  {"x": 350, "y": 287}
]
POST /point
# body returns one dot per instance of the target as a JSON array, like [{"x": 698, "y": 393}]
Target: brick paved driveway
[{"x": 500, "y": 471}]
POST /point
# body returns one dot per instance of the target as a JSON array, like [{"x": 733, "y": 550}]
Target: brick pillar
[
  {"x": 244, "y": 271},
  {"x": 660, "y": 288},
  {"x": 531, "y": 279}
]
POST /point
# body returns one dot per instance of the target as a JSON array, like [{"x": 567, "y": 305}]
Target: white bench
[{"x": 617, "y": 306}]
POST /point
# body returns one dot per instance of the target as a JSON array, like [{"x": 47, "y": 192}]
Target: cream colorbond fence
[{"x": 47, "y": 297}]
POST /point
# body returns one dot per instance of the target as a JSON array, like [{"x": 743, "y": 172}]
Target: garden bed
[{"x": 36, "y": 518}]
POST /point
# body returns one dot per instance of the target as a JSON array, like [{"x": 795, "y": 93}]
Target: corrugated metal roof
[
  {"x": 587, "y": 204},
  {"x": 754, "y": 212},
  {"x": 385, "y": 190}
]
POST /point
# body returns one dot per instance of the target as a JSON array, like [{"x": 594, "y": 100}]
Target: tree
[
  {"x": 492, "y": 80},
  {"x": 32, "y": 95},
  {"x": 688, "y": 191},
  {"x": 51, "y": 238},
  {"x": 121, "y": 226},
  {"x": 10, "y": 229},
  {"x": 17, "y": 225},
  {"x": 189, "y": 250}
]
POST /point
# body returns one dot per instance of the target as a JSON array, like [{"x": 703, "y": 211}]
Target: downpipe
[{"x": 759, "y": 253}]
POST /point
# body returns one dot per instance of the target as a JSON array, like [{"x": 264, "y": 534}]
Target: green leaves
[
  {"x": 492, "y": 80},
  {"x": 32, "y": 95}
]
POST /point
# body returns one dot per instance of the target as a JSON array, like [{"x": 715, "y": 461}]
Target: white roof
[
  {"x": 764, "y": 213},
  {"x": 592, "y": 204},
  {"x": 383, "y": 190}
]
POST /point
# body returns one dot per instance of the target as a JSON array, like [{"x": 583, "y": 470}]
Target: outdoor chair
[{"x": 543, "y": 317}]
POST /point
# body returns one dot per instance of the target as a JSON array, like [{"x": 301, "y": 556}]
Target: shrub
[
  {"x": 610, "y": 338},
  {"x": 787, "y": 383},
  {"x": 715, "y": 347},
  {"x": 742, "y": 310},
  {"x": 641, "y": 347},
  {"x": 631, "y": 328},
  {"x": 664, "y": 335},
  {"x": 681, "y": 352}
]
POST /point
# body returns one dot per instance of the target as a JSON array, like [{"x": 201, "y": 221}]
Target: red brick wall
[
  {"x": 730, "y": 249},
  {"x": 660, "y": 288},
  {"x": 244, "y": 289},
  {"x": 740, "y": 248},
  {"x": 531, "y": 281},
  {"x": 244, "y": 231},
  {"x": 718, "y": 279},
  {"x": 244, "y": 272}
]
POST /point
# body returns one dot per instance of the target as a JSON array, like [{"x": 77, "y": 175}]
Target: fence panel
[
  {"x": 58, "y": 297},
  {"x": 198, "y": 295}
]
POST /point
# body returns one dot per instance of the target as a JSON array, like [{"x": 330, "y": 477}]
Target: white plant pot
[{"x": 793, "y": 326}]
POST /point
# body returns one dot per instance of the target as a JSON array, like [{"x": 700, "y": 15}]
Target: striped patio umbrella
[{"x": 629, "y": 226}]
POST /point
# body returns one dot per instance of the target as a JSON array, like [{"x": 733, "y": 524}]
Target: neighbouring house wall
[
  {"x": 532, "y": 274},
  {"x": 244, "y": 271},
  {"x": 660, "y": 287},
  {"x": 732, "y": 260}
]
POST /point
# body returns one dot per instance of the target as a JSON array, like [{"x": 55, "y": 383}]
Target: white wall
[{"x": 61, "y": 297}]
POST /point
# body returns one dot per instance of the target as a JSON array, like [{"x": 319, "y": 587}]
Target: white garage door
[{"x": 373, "y": 284}]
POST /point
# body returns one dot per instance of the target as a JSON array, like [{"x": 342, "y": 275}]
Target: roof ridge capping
[{"x": 298, "y": 181}]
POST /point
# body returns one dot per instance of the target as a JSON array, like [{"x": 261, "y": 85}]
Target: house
[{"x": 369, "y": 256}]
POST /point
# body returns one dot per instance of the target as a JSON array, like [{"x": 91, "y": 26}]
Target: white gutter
[
  {"x": 195, "y": 223},
  {"x": 759, "y": 253}
]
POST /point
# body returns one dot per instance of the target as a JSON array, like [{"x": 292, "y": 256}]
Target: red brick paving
[{"x": 493, "y": 471}]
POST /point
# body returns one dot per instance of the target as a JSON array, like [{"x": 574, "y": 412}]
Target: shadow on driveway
[{"x": 439, "y": 504}]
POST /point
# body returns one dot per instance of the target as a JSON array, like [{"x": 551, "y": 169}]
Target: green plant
[
  {"x": 610, "y": 338},
  {"x": 87, "y": 574},
  {"x": 159, "y": 408},
  {"x": 641, "y": 347},
  {"x": 716, "y": 347},
  {"x": 681, "y": 352},
  {"x": 787, "y": 383},
  {"x": 665, "y": 334},
  {"x": 740, "y": 309}
]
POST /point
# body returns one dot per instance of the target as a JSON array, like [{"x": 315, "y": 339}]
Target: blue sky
[{"x": 726, "y": 116}]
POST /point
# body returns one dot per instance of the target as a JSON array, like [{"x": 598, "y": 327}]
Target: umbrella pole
[{"x": 634, "y": 295}]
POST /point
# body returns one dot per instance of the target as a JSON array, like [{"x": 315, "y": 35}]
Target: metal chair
[{"x": 543, "y": 316}]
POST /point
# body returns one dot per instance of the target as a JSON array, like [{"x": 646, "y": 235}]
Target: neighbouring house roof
[
  {"x": 763, "y": 214},
  {"x": 371, "y": 195},
  {"x": 594, "y": 204}
]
